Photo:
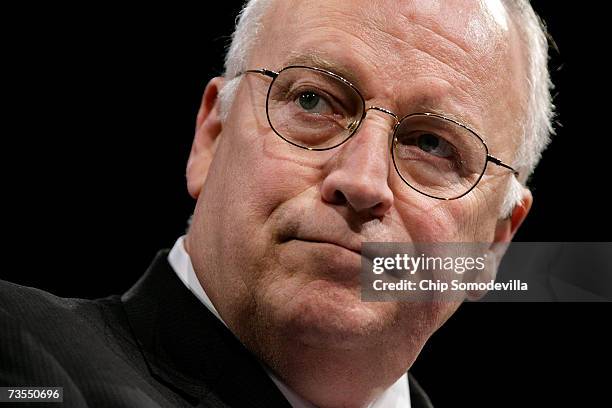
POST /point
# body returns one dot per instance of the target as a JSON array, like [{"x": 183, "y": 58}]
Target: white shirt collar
[{"x": 396, "y": 396}]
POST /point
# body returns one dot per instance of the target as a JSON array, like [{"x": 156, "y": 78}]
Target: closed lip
[{"x": 350, "y": 247}]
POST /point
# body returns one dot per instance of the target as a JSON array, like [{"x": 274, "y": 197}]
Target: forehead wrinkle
[
  {"x": 475, "y": 62},
  {"x": 467, "y": 87},
  {"x": 413, "y": 22},
  {"x": 412, "y": 44}
]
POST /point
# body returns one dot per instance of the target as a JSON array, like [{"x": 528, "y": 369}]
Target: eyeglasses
[{"x": 318, "y": 110}]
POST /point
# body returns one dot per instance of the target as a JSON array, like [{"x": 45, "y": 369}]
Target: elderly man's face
[{"x": 277, "y": 229}]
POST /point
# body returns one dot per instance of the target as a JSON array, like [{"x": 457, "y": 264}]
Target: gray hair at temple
[{"x": 539, "y": 113}]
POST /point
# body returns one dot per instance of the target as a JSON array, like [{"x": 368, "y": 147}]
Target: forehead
[{"x": 449, "y": 55}]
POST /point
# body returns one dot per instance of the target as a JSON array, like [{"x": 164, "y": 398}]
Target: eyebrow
[
  {"x": 317, "y": 60},
  {"x": 457, "y": 117}
]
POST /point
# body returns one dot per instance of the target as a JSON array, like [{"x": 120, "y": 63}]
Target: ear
[
  {"x": 505, "y": 230},
  {"x": 208, "y": 129}
]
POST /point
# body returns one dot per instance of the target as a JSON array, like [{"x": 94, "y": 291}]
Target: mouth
[
  {"x": 316, "y": 241},
  {"x": 333, "y": 260},
  {"x": 352, "y": 248}
]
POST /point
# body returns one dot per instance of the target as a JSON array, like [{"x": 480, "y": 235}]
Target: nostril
[
  {"x": 380, "y": 209},
  {"x": 339, "y": 197}
]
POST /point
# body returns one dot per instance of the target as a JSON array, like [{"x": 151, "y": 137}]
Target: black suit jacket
[{"x": 155, "y": 346}]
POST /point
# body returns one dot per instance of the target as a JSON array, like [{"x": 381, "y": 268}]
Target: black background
[{"x": 97, "y": 127}]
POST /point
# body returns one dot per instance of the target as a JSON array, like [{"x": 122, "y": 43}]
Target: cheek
[
  {"x": 273, "y": 172},
  {"x": 429, "y": 220},
  {"x": 475, "y": 216},
  {"x": 255, "y": 172},
  {"x": 424, "y": 219},
  {"x": 273, "y": 181}
]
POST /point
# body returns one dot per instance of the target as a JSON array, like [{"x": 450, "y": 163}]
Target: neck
[
  {"x": 330, "y": 378},
  {"x": 330, "y": 381}
]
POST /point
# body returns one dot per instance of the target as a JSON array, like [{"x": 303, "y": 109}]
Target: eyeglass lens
[{"x": 316, "y": 110}]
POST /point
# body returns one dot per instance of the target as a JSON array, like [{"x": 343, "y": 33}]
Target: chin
[{"x": 327, "y": 314}]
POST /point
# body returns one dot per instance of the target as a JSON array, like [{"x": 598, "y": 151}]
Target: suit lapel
[
  {"x": 418, "y": 397},
  {"x": 188, "y": 349}
]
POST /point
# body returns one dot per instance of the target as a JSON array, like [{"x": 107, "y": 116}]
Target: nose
[{"x": 359, "y": 174}]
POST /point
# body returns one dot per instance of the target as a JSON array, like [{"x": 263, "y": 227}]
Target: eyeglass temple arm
[
  {"x": 262, "y": 71},
  {"x": 497, "y": 161}
]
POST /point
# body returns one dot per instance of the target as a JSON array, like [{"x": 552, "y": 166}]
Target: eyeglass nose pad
[{"x": 353, "y": 125}]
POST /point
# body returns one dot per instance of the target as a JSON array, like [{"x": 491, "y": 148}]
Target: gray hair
[
  {"x": 539, "y": 113},
  {"x": 248, "y": 26}
]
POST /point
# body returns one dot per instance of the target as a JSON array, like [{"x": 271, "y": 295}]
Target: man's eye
[
  {"x": 313, "y": 103},
  {"x": 430, "y": 143}
]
